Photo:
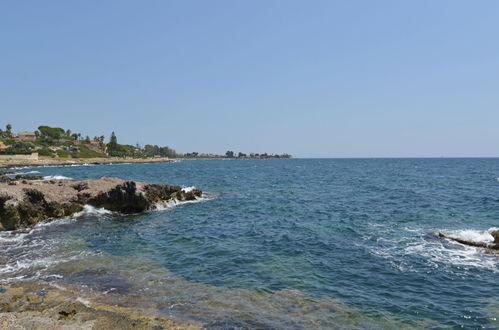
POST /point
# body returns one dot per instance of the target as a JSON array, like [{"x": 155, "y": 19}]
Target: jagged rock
[{"x": 23, "y": 204}]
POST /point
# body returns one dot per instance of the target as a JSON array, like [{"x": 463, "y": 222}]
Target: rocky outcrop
[
  {"x": 23, "y": 202},
  {"x": 491, "y": 248}
]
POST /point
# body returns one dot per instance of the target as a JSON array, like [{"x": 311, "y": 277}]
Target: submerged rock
[{"x": 25, "y": 203}]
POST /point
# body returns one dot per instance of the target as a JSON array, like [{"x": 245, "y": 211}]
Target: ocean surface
[{"x": 295, "y": 244}]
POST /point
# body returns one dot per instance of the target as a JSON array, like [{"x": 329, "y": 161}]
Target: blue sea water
[{"x": 299, "y": 243}]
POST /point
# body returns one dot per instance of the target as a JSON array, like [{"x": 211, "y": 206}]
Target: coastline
[
  {"x": 7, "y": 164},
  {"x": 47, "y": 161}
]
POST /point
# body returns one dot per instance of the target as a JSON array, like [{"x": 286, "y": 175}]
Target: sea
[{"x": 283, "y": 244}]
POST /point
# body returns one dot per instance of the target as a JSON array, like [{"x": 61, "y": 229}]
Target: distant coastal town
[{"x": 58, "y": 143}]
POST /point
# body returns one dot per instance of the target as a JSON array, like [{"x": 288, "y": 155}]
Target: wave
[
  {"x": 440, "y": 253},
  {"x": 23, "y": 173},
  {"x": 56, "y": 177},
  {"x": 175, "y": 202},
  {"x": 12, "y": 237},
  {"x": 91, "y": 211},
  {"x": 478, "y": 236},
  {"x": 421, "y": 246}
]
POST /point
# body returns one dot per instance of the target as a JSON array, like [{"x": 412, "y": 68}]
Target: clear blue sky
[{"x": 311, "y": 78}]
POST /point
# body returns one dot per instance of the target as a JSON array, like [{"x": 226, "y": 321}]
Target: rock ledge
[{"x": 24, "y": 202}]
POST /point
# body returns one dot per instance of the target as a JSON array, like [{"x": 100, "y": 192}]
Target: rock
[
  {"x": 23, "y": 307},
  {"x": 28, "y": 177},
  {"x": 23, "y": 205},
  {"x": 495, "y": 234},
  {"x": 492, "y": 248}
]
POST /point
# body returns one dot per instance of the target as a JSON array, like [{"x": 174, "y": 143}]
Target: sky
[{"x": 311, "y": 78}]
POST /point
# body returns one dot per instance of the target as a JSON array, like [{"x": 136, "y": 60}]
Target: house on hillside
[
  {"x": 95, "y": 143},
  {"x": 3, "y": 146},
  {"x": 26, "y": 136}
]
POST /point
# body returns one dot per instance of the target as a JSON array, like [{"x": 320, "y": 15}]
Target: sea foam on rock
[
  {"x": 489, "y": 240},
  {"x": 24, "y": 203}
]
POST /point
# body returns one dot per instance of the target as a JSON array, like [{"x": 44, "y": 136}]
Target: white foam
[
  {"x": 56, "y": 177},
  {"x": 89, "y": 210},
  {"x": 11, "y": 237},
  {"x": 24, "y": 173},
  {"x": 55, "y": 222},
  {"x": 479, "y": 236},
  {"x": 188, "y": 189},
  {"x": 175, "y": 202},
  {"x": 438, "y": 253}
]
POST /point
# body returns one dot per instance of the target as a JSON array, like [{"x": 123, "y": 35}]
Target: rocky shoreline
[
  {"x": 27, "y": 200},
  {"x": 6, "y": 164}
]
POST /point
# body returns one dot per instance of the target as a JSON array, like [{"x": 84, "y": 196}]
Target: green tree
[
  {"x": 113, "y": 141},
  {"x": 8, "y": 132},
  {"x": 229, "y": 154},
  {"x": 51, "y": 133}
]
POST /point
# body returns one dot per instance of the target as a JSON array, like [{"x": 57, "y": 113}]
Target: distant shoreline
[
  {"x": 9, "y": 164},
  {"x": 80, "y": 161}
]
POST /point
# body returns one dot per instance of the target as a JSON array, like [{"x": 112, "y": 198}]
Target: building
[
  {"x": 26, "y": 136},
  {"x": 95, "y": 143},
  {"x": 3, "y": 146}
]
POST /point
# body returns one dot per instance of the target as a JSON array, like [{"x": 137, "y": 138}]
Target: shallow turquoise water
[{"x": 287, "y": 244}]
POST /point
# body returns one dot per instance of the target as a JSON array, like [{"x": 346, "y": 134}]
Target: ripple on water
[{"x": 298, "y": 243}]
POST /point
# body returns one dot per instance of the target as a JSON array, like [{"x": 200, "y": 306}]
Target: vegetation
[
  {"x": 51, "y": 133},
  {"x": 232, "y": 154},
  {"x": 63, "y": 143},
  {"x": 154, "y": 150},
  {"x": 7, "y": 134}
]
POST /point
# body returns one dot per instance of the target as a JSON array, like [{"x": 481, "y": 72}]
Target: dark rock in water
[
  {"x": 124, "y": 198},
  {"x": 28, "y": 177},
  {"x": 23, "y": 204},
  {"x": 495, "y": 234},
  {"x": 20, "y": 177},
  {"x": 491, "y": 248}
]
